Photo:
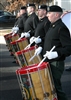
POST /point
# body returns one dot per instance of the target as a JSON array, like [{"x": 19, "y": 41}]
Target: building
[{"x": 65, "y": 4}]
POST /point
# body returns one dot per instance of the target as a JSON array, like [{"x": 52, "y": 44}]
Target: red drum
[
  {"x": 25, "y": 55},
  {"x": 36, "y": 83},
  {"x": 66, "y": 18},
  {"x": 18, "y": 45},
  {"x": 6, "y": 36},
  {"x": 11, "y": 39}
]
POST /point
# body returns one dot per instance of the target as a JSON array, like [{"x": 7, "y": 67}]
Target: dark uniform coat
[
  {"x": 21, "y": 22},
  {"x": 31, "y": 23},
  {"x": 42, "y": 28},
  {"x": 58, "y": 35}
]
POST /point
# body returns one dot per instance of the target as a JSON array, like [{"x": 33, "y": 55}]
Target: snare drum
[
  {"x": 36, "y": 83},
  {"x": 6, "y": 36},
  {"x": 25, "y": 55},
  {"x": 12, "y": 39},
  {"x": 18, "y": 45}
]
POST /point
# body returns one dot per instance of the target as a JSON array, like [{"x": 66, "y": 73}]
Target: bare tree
[{"x": 16, "y": 4}]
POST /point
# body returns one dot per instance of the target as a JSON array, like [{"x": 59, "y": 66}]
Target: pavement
[{"x": 9, "y": 87}]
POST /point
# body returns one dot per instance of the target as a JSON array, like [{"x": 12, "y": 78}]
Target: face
[
  {"x": 22, "y": 11},
  {"x": 51, "y": 16},
  {"x": 41, "y": 12},
  {"x": 29, "y": 9}
]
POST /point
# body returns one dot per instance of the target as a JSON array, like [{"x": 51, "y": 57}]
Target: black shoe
[{"x": 68, "y": 69}]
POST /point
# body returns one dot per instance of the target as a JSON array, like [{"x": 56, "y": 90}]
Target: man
[
  {"x": 32, "y": 21},
  {"x": 21, "y": 19},
  {"x": 42, "y": 26},
  {"x": 58, "y": 35}
]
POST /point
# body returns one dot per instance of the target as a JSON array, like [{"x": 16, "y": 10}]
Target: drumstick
[
  {"x": 32, "y": 57},
  {"x": 28, "y": 45}
]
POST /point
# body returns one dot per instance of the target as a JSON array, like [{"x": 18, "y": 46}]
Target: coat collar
[{"x": 55, "y": 23}]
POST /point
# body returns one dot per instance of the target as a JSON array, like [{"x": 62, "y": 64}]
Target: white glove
[
  {"x": 38, "y": 50},
  {"x": 51, "y": 55},
  {"x": 27, "y": 34},
  {"x": 32, "y": 39},
  {"x": 15, "y": 29},
  {"x": 37, "y": 40},
  {"x": 22, "y": 35}
]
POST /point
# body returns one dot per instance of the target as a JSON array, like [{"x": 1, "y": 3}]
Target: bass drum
[{"x": 66, "y": 18}]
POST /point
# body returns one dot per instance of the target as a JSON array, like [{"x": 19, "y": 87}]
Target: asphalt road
[{"x": 9, "y": 87}]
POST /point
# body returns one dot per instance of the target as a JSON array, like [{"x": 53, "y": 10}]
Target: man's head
[
  {"x": 42, "y": 11},
  {"x": 22, "y": 10},
  {"x": 31, "y": 8},
  {"x": 54, "y": 13}
]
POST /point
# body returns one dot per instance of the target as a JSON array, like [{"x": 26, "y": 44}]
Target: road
[{"x": 9, "y": 87}]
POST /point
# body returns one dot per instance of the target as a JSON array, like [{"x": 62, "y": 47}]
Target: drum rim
[
  {"x": 14, "y": 42},
  {"x": 21, "y": 39},
  {"x": 32, "y": 68},
  {"x": 23, "y": 51},
  {"x": 11, "y": 36},
  {"x": 7, "y": 34}
]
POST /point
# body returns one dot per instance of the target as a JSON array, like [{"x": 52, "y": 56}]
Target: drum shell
[
  {"x": 10, "y": 39},
  {"x": 6, "y": 36},
  {"x": 18, "y": 45},
  {"x": 22, "y": 43},
  {"x": 25, "y": 55},
  {"x": 34, "y": 83},
  {"x": 15, "y": 37}
]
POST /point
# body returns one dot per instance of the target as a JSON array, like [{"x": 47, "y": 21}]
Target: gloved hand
[
  {"x": 22, "y": 35},
  {"x": 37, "y": 40},
  {"x": 38, "y": 50},
  {"x": 32, "y": 39},
  {"x": 15, "y": 29},
  {"x": 51, "y": 55},
  {"x": 27, "y": 34}
]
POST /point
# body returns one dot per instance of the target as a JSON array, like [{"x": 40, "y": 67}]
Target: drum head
[{"x": 66, "y": 18}]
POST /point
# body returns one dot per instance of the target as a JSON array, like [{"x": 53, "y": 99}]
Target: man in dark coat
[
  {"x": 42, "y": 26},
  {"x": 32, "y": 21},
  {"x": 58, "y": 35},
  {"x": 21, "y": 20}
]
